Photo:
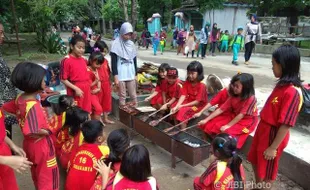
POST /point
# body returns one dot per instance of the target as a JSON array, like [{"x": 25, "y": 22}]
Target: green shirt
[
  {"x": 224, "y": 37},
  {"x": 238, "y": 39}
]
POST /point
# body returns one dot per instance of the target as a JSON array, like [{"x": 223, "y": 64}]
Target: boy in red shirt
[
  {"x": 38, "y": 144},
  {"x": 82, "y": 163},
  {"x": 278, "y": 115}
]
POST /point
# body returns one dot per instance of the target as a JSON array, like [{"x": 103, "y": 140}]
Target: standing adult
[
  {"x": 253, "y": 33},
  {"x": 90, "y": 32},
  {"x": 204, "y": 39},
  {"x": 115, "y": 33},
  {"x": 7, "y": 90},
  {"x": 181, "y": 42},
  {"x": 191, "y": 41},
  {"x": 124, "y": 64},
  {"x": 175, "y": 37},
  {"x": 214, "y": 38},
  {"x": 163, "y": 35}
]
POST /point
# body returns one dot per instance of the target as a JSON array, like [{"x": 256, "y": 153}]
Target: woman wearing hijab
[
  {"x": 204, "y": 40},
  {"x": 155, "y": 42},
  {"x": 213, "y": 38},
  {"x": 124, "y": 64},
  {"x": 181, "y": 42},
  {"x": 190, "y": 39},
  {"x": 253, "y": 32}
]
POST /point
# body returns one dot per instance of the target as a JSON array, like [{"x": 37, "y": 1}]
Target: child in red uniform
[
  {"x": 278, "y": 115},
  {"x": 194, "y": 94},
  {"x": 38, "y": 144},
  {"x": 118, "y": 142},
  {"x": 241, "y": 106},
  {"x": 171, "y": 89},
  {"x": 7, "y": 176},
  {"x": 104, "y": 75},
  {"x": 218, "y": 100},
  {"x": 72, "y": 133},
  {"x": 225, "y": 171},
  {"x": 135, "y": 172},
  {"x": 73, "y": 73},
  {"x": 156, "y": 98},
  {"x": 83, "y": 162},
  {"x": 94, "y": 63}
]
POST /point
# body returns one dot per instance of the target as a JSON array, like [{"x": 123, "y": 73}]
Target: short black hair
[
  {"x": 247, "y": 82},
  {"x": 28, "y": 77},
  {"x": 75, "y": 117},
  {"x": 101, "y": 45},
  {"x": 136, "y": 164},
  {"x": 92, "y": 130},
  {"x": 288, "y": 57},
  {"x": 162, "y": 68},
  {"x": 226, "y": 31},
  {"x": 118, "y": 142},
  {"x": 96, "y": 56},
  {"x": 196, "y": 66},
  {"x": 65, "y": 102},
  {"x": 75, "y": 39}
]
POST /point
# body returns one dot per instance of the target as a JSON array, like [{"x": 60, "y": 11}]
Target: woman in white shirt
[{"x": 253, "y": 33}]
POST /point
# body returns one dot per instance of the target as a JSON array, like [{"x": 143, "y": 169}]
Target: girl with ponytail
[
  {"x": 225, "y": 170},
  {"x": 118, "y": 142}
]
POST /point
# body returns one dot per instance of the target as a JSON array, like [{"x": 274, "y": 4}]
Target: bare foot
[{"x": 107, "y": 121}]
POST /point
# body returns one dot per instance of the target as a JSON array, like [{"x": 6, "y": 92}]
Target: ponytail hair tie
[
  {"x": 234, "y": 152},
  {"x": 221, "y": 145},
  {"x": 96, "y": 49},
  {"x": 239, "y": 73}
]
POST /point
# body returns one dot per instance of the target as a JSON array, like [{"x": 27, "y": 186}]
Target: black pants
[
  {"x": 203, "y": 50},
  {"x": 213, "y": 46},
  {"x": 193, "y": 53},
  {"x": 248, "y": 50}
]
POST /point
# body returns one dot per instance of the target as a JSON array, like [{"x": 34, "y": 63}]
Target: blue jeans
[{"x": 236, "y": 49}]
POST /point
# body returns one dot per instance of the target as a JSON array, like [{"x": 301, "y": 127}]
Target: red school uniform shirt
[
  {"x": 220, "y": 98},
  {"x": 2, "y": 127},
  {"x": 61, "y": 138},
  {"x": 82, "y": 166},
  {"x": 195, "y": 92},
  {"x": 122, "y": 183},
  {"x": 172, "y": 90},
  {"x": 236, "y": 105},
  {"x": 104, "y": 71},
  {"x": 74, "y": 69},
  {"x": 217, "y": 177},
  {"x": 282, "y": 106},
  {"x": 92, "y": 75}
]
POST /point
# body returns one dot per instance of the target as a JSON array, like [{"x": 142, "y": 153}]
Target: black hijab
[{"x": 214, "y": 30}]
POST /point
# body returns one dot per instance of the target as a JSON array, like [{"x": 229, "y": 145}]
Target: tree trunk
[
  {"x": 111, "y": 26},
  {"x": 124, "y": 4},
  {"x": 103, "y": 21},
  {"x": 134, "y": 13}
]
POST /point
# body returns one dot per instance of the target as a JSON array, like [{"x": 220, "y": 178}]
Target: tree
[
  {"x": 134, "y": 13},
  {"x": 289, "y": 8},
  {"x": 124, "y": 4},
  {"x": 112, "y": 12}
]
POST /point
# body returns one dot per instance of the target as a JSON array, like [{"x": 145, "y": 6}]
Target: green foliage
[
  {"x": 112, "y": 11},
  {"x": 140, "y": 27},
  {"x": 210, "y": 4},
  {"x": 54, "y": 45}
]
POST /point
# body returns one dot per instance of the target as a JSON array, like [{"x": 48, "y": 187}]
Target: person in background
[
  {"x": 181, "y": 41},
  {"x": 163, "y": 35},
  {"x": 253, "y": 33},
  {"x": 155, "y": 41},
  {"x": 148, "y": 37},
  {"x": 191, "y": 41},
  {"x": 115, "y": 33},
  {"x": 224, "y": 41},
  {"x": 204, "y": 35},
  {"x": 162, "y": 43},
  {"x": 7, "y": 90},
  {"x": 175, "y": 37},
  {"x": 237, "y": 43},
  {"x": 90, "y": 32},
  {"x": 124, "y": 64},
  {"x": 214, "y": 38}
]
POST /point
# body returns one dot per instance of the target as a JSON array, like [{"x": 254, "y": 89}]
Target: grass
[
  {"x": 29, "y": 49},
  {"x": 305, "y": 44}
]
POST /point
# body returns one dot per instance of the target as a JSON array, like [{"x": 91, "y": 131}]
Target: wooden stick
[
  {"x": 155, "y": 112},
  {"x": 174, "y": 133},
  {"x": 170, "y": 128}
]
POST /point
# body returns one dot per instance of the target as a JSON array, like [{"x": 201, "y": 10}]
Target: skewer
[
  {"x": 170, "y": 128},
  {"x": 155, "y": 112},
  {"x": 156, "y": 122},
  {"x": 176, "y": 132}
]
